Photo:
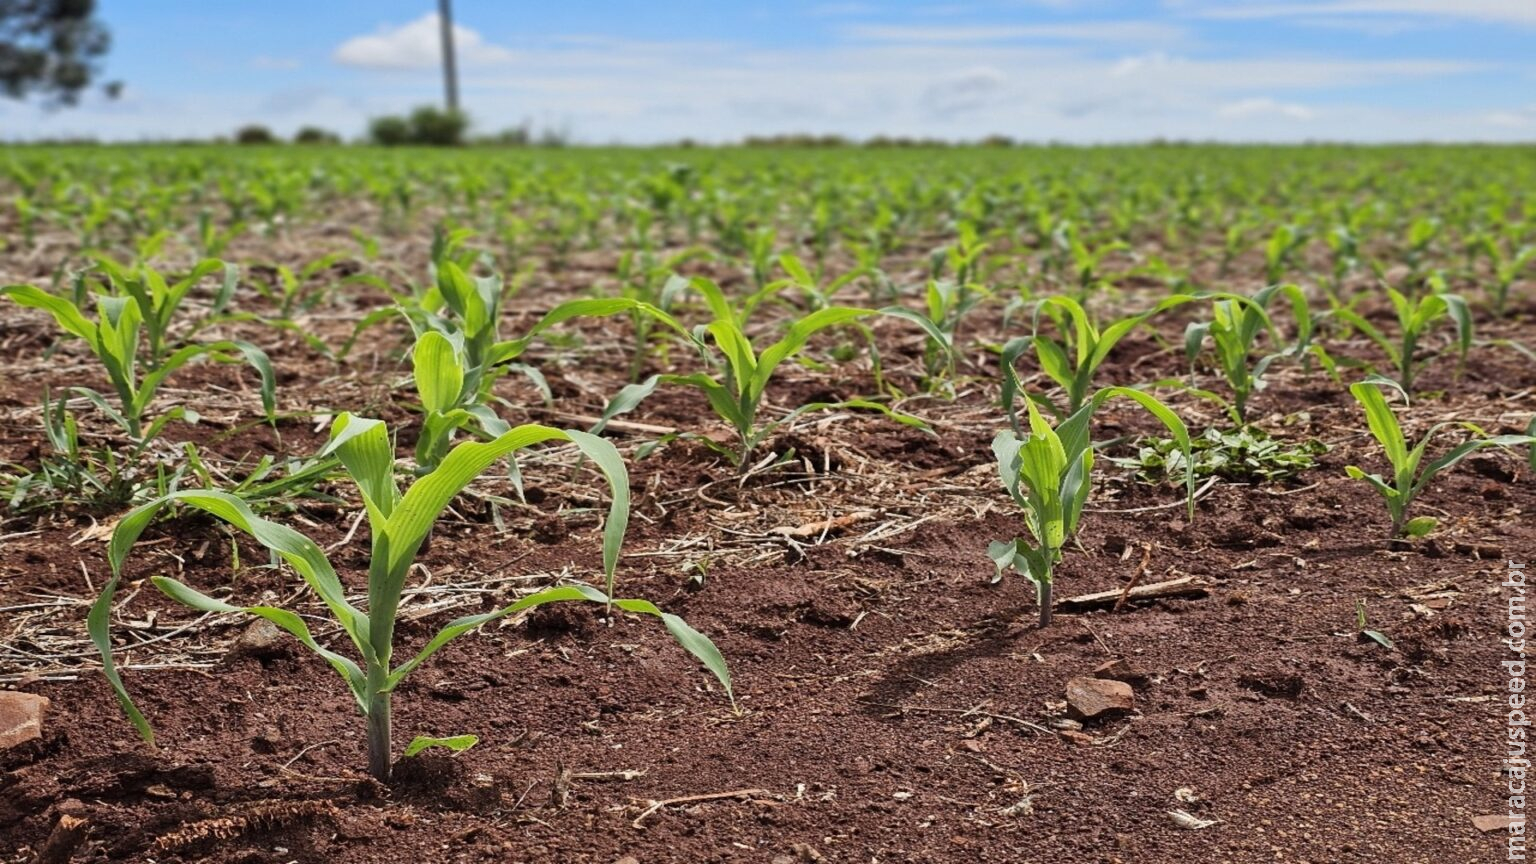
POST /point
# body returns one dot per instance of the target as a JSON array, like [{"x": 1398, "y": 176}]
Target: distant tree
[
  {"x": 438, "y": 128},
  {"x": 427, "y": 125},
  {"x": 389, "y": 131},
  {"x": 254, "y": 133},
  {"x": 315, "y": 135},
  {"x": 51, "y": 48}
]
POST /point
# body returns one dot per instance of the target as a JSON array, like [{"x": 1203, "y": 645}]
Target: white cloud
[
  {"x": 1486, "y": 11},
  {"x": 967, "y": 91},
  {"x": 1090, "y": 31},
  {"x": 608, "y": 89},
  {"x": 1263, "y": 106},
  {"x": 417, "y": 45},
  {"x": 1519, "y": 118}
]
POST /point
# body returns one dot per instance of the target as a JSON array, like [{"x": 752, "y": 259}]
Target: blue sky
[{"x": 1073, "y": 70}]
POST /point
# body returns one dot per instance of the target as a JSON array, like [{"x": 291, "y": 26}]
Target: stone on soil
[
  {"x": 21, "y": 718},
  {"x": 1091, "y": 698}
]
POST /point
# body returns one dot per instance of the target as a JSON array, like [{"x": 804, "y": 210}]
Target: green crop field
[{"x": 905, "y": 503}]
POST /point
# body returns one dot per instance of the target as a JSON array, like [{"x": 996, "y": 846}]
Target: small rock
[
  {"x": 21, "y": 718},
  {"x": 807, "y": 853},
  {"x": 1089, "y": 698},
  {"x": 628, "y": 859},
  {"x": 262, "y": 640},
  {"x": 1494, "y": 822},
  {"x": 1119, "y": 670},
  {"x": 1081, "y": 739}
]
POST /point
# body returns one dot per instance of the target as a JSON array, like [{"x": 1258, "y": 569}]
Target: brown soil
[{"x": 894, "y": 705}]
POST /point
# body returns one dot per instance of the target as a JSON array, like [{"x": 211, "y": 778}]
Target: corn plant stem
[
  {"x": 1410, "y": 346},
  {"x": 379, "y": 738}
]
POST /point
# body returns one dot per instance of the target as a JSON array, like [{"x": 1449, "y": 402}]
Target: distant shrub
[
  {"x": 426, "y": 125},
  {"x": 887, "y": 141},
  {"x": 796, "y": 140},
  {"x": 254, "y": 133},
  {"x": 389, "y": 131},
  {"x": 438, "y": 128},
  {"x": 315, "y": 135}
]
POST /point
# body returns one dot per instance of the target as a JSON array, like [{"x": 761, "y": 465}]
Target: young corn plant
[
  {"x": 399, "y": 523},
  {"x": 1280, "y": 249},
  {"x": 114, "y": 337},
  {"x": 1409, "y": 473},
  {"x": 799, "y": 277},
  {"x": 288, "y": 288},
  {"x": 1072, "y": 358},
  {"x": 741, "y": 372},
  {"x": 160, "y": 300},
  {"x": 1506, "y": 268},
  {"x": 1047, "y": 471},
  {"x": 1234, "y": 330},
  {"x": 459, "y": 354},
  {"x": 946, "y": 305},
  {"x": 646, "y": 280},
  {"x": 74, "y": 473},
  {"x": 1415, "y": 319}
]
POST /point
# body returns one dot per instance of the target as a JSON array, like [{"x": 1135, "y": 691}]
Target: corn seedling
[
  {"x": 159, "y": 300},
  {"x": 1048, "y": 471},
  {"x": 1362, "y": 627},
  {"x": 459, "y": 356},
  {"x": 399, "y": 523},
  {"x": 1280, "y": 249},
  {"x": 1415, "y": 319},
  {"x": 1506, "y": 268},
  {"x": 946, "y": 305},
  {"x": 1234, "y": 329},
  {"x": 1409, "y": 473},
  {"x": 736, "y": 386},
  {"x": 1079, "y": 350},
  {"x": 114, "y": 339},
  {"x": 645, "y": 280}
]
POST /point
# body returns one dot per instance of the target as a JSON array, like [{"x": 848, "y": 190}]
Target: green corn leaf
[
  {"x": 1465, "y": 449},
  {"x": 504, "y": 352},
  {"x": 419, "y": 508},
  {"x": 98, "y": 624},
  {"x": 299, "y": 551},
  {"x": 691, "y": 640},
  {"x": 288, "y": 621},
  {"x": 1382, "y": 422},
  {"x": 459, "y": 626},
  {"x": 64, "y": 313},
  {"x": 253, "y": 356},
  {"x": 626, "y": 400},
  {"x": 795, "y": 338},
  {"x": 1171, "y": 421},
  {"x": 439, "y": 369}
]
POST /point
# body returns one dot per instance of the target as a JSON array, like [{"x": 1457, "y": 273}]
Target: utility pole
[{"x": 450, "y": 68}]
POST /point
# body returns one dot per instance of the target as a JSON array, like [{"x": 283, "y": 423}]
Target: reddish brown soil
[{"x": 894, "y": 705}]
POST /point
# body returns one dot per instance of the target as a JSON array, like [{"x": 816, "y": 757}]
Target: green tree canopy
[{"x": 51, "y": 48}]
